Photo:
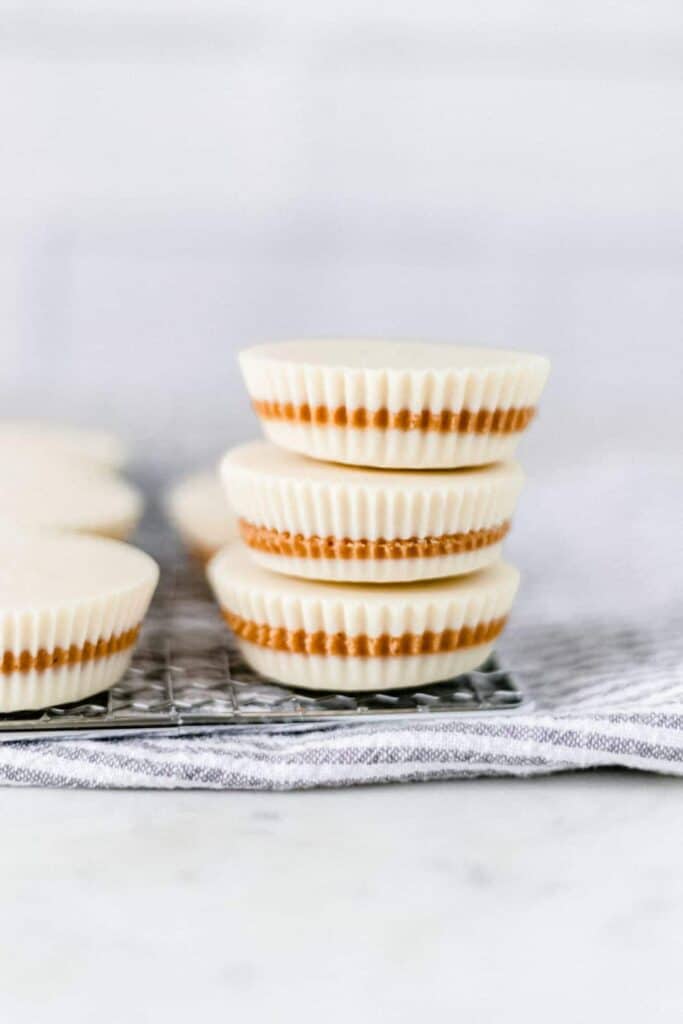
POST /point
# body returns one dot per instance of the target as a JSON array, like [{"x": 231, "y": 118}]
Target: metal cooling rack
[{"x": 187, "y": 675}]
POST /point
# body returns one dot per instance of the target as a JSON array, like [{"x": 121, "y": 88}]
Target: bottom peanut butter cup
[{"x": 330, "y": 636}]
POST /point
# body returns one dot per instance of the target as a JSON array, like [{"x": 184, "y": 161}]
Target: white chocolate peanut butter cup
[
  {"x": 44, "y": 492},
  {"x": 327, "y": 521},
  {"x": 71, "y": 608},
  {"x": 334, "y": 636},
  {"x": 198, "y": 509},
  {"x": 95, "y": 447},
  {"x": 394, "y": 404}
]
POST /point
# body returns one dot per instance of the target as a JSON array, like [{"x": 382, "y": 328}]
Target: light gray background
[{"x": 180, "y": 180}]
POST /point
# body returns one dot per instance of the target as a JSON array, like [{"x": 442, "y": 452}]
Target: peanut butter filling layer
[
  {"x": 282, "y": 542},
  {"x": 341, "y": 645},
  {"x": 485, "y": 421},
  {"x": 73, "y": 655}
]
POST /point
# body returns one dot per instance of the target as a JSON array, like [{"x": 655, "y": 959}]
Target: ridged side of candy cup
[
  {"x": 327, "y": 636},
  {"x": 71, "y": 609},
  {"x": 330, "y": 522},
  {"x": 394, "y": 404}
]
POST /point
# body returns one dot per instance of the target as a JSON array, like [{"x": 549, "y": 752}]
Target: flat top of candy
[
  {"x": 262, "y": 460},
  {"x": 234, "y": 567},
  {"x": 30, "y": 437},
  {"x": 41, "y": 570},
  {"x": 62, "y": 493},
  {"x": 368, "y": 354}
]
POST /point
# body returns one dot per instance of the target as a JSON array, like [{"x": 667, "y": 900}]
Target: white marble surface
[{"x": 556, "y": 899}]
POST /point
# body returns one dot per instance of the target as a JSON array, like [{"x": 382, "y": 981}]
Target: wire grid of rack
[{"x": 187, "y": 674}]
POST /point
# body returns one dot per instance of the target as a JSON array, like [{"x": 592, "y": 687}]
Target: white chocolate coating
[
  {"x": 378, "y": 355},
  {"x": 353, "y": 675},
  {"x": 26, "y": 691},
  {"x": 97, "y": 447},
  {"x": 391, "y": 449},
  {"x": 198, "y": 509},
  {"x": 244, "y": 589},
  {"x": 63, "y": 494},
  {"x": 298, "y": 496},
  {"x": 369, "y": 572},
  {"x": 62, "y": 591},
  {"x": 396, "y": 377}
]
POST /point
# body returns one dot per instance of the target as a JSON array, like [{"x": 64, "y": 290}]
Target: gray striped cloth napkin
[{"x": 596, "y": 641}]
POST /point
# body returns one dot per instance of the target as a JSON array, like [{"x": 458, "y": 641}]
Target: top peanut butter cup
[{"x": 394, "y": 404}]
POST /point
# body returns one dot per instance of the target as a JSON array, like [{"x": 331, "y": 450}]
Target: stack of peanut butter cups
[{"x": 372, "y": 519}]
